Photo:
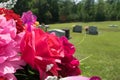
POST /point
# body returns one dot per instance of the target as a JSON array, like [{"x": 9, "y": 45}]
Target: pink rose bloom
[
  {"x": 8, "y": 77},
  {"x": 80, "y": 78},
  {"x": 10, "y": 59},
  {"x": 69, "y": 64},
  {"x": 75, "y": 78},
  {"x": 42, "y": 51}
]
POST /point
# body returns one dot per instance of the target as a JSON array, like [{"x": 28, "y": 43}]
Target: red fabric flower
[
  {"x": 42, "y": 51},
  {"x": 3, "y": 78},
  {"x": 95, "y": 78},
  {"x": 69, "y": 64},
  {"x": 9, "y": 14}
]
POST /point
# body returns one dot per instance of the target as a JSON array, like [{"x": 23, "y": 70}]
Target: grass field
[{"x": 98, "y": 54}]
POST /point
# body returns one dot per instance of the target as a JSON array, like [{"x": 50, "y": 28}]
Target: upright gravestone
[
  {"x": 58, "y": 32},
  {"x": 92, "y": 30},
  {"x": 67, "y": 33},
  {"x": 77, "y": 28},
  {"x": 44, "y": 27}
]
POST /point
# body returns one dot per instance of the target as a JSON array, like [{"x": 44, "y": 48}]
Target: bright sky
[{"x": 77, "y": 1}]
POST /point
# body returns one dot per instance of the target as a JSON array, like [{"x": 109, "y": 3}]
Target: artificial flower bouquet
[{"x": 29, "y": 53}]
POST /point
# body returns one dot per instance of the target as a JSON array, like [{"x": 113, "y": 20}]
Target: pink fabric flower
[
  {"x": 8, "y": 77},
  {"x": 10, "y": 14},
  {"x": 75, "y": 78},
  {"x": 81, "y": 78},
  {"x": 43, "y": 52},
  {"x": 10, "y": 59},
  {"x": 29, "y": 20},
  {"x": 28, "y": 17}
]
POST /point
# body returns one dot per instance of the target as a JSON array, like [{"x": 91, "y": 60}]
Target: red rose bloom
[
  {"x": 95, "y": 78},
  {"x": 69, "y": 64},
  {"x": 3, "y": 78},
  {"x": 42, "y": 51}
]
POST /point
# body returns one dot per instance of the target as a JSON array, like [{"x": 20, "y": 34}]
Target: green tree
[
  {"x": 115, "y": 10},
  {"x": 118, "y": 10},
  {"x": 100, "y": 11},
  {"x": 65, "y": 9},
  {"x": 53, "y": 10},
  {"x": 79, "y": 10},
  {"x": 22, "y": 6},
  {"x": 41, "y": 9},
  {"x": 3, "y": 0},
  {"x": 87, "y": 10},
  {"x": 73, "y": 16},
  {"x": 112, "y": 11}
]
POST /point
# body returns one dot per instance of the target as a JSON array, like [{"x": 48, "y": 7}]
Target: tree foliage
[
  {"x": 22, "y": 6},
  {"x": 50, "y": 11}
]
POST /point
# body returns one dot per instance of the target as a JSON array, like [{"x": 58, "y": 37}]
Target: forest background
[{"x": 54, "y": 11}]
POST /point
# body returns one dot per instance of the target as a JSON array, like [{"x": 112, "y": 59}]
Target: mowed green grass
[{"x": 98, "y": 54}]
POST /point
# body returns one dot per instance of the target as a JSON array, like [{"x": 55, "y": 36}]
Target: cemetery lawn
[{"x": 98, "y": 54}]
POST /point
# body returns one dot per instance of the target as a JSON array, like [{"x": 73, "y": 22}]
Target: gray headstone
[
  {"x": 92, "y": 30},
  {"x": 77, "y": 28},
  {"x": 58, "y": 32},
  {"x": 44, "y": 27}
]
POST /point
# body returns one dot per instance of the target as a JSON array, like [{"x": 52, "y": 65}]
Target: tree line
[{"x": 52, "y": 11}]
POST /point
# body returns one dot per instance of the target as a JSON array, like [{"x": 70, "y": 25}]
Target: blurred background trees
[{"x": 52, "y": 11}]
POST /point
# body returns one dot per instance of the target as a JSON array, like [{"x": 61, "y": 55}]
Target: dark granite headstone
[
  {"x": 77, "y": 28},
  {"x": 67, "y": 33},
  {"x": 58, "y": 32},
  {"x": 92, "y": 30}
]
